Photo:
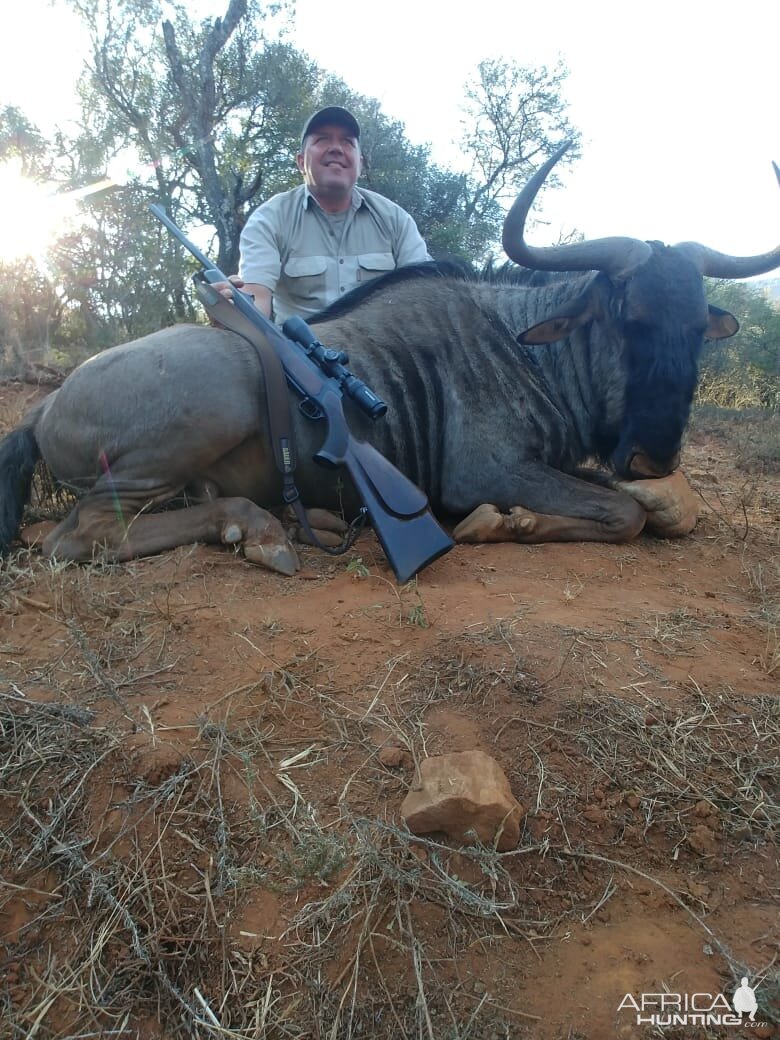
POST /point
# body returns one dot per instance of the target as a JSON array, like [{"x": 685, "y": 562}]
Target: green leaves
[{"x": 743, "y": 371}]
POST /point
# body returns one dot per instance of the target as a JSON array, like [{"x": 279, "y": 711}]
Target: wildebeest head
[{"x": 655, "y": 305}]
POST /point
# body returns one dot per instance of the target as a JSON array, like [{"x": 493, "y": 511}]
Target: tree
[
  {"x": 119, "y": 277},
  {"x": 211, "y": 109},
  {"x": 743, "y": 371},
  {"x": 30, "y": 315},
  {"x": 204, "y": 117},
  {"x": 514, "y": 119},
  {"x": 21, "y": 140}
]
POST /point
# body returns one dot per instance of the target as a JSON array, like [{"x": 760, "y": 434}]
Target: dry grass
[
  {"x": 131, "y": 900},
  {"x": 243, "y": 874},
  {"x": 711, "y": 758}
]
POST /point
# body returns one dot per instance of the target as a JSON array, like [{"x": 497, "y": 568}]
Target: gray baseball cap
[{"x": 332, "y": 114}]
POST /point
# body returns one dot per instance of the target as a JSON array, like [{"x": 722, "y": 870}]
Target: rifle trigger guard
[{"x": 309, "y": 407}]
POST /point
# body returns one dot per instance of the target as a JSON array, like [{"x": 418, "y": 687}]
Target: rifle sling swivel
[{"x": 223, "y": 313}]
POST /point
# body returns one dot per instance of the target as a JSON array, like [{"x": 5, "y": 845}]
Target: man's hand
[
  {"x": 261, "y": 295},
  {"x": 226, "y": 288}
]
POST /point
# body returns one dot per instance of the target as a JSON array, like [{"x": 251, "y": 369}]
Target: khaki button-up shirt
[{"x": 307, "y": 259}]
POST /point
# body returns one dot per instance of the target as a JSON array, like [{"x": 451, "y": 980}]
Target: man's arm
[
  {"x": 409, "y": 246},
  {"x": 259, "y": 256},
  {"x": 262, "y": 294}
]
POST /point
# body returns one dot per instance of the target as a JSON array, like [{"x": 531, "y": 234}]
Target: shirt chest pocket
[
  {"x": 371, "y": 265},
  {"x": 306, "y": 275}
]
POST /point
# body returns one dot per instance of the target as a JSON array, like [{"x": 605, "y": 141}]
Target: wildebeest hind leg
[
  {"x": 556, "y": 508},
  {"x": 488, "y": 524},
  {"x": 327, "y": 528},
  {"x": 116, "y": 524}
]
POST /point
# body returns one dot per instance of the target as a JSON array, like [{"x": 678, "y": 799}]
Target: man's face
[{"x": 330, "y": 162}]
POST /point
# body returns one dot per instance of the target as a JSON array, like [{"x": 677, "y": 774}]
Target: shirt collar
[{"x": 357, "y": 198}]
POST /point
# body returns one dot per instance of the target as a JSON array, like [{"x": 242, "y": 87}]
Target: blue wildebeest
[{"x": 497, "y": 394}]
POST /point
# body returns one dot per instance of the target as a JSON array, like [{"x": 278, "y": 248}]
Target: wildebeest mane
[
  {"x": 451, "y": 268},
  {"x": 508, "y": 273},
  {"x": 492, "y": 272}
]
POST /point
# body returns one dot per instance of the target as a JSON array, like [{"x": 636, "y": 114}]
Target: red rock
[
  {"x": 392, "y": 757},
  {"x": 464, "y": 792}
]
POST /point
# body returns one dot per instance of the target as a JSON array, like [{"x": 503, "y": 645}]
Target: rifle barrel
[{"x": 177, "y": 233}]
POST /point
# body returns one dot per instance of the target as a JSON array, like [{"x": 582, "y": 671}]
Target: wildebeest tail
[{"x": 19, "y": 453}]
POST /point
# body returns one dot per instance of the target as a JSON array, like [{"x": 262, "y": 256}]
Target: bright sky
[{"x": 678, "y": 101}]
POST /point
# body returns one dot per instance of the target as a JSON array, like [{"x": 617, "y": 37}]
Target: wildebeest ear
[
  {"x": 550, "y": 330},
  {"x": 564, "y": 321},
  {"x": 721, "y": 325}
]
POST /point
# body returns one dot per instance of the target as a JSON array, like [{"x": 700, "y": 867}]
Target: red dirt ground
[{"x": 629, "y": 692}]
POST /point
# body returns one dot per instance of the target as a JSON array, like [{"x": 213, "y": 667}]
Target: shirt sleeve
[
  {"x": 260, "y": 261},
  {"x": 409, "y": 247}
]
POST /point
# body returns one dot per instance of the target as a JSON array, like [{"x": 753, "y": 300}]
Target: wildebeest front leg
[
  {"x": 671, "y": 505},
  {"x": 549, "y": 506},
  {"x": 114, "y": 522}
]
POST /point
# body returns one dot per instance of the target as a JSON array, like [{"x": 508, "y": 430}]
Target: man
[{"x": 303, "y": 249}]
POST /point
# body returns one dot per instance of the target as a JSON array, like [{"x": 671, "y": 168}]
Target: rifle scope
[{"x": 332, "y": 364}]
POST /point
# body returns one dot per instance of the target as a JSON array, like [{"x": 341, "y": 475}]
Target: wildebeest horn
[
  {"x": 721, "y": 265},
  {"x": 614, "y": 256}
]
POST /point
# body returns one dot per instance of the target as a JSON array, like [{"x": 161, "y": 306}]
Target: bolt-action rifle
[{"x": 399, "y": 511}]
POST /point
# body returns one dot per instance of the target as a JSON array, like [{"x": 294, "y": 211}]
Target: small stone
[
  {"x": 742, "y": 833},
  {"x": 464, "y": 792},
  {"x": 594, "y": 814},
  {"x": 393, "y": 757}
]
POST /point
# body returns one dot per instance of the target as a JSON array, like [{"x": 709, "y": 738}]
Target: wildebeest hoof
[
  {"x": 488, "y": 524},
  {"x": 521, "y": 522},
  {"x": 327, "y": 527},
  {"x": 671, "y": 505},
  {"x": 232, "y": 534},
  {"x": 33, "y": 535},
  {"x": 324, "y": 537},
  {"x": 280, "y": 558},
  {"x": 485, "y": 524},
  {"x": 264, "y": 541}
]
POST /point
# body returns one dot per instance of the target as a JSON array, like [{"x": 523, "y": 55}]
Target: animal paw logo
[{"x": 745, "y": 1002}]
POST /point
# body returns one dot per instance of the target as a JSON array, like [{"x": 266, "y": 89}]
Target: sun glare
[{"x": 32, "y": 215}]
